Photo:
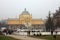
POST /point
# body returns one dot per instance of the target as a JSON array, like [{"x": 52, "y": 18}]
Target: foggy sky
[{"x": 38, "y": 8}]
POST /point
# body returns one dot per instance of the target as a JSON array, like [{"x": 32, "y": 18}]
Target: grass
[
  {"x": 50, "y": 37},
  {"x": 2, "y": 37}
]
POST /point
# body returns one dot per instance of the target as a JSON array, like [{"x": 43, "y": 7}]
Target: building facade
[{"x": 25, "y": 20}]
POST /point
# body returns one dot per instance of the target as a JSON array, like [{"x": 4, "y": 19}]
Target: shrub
[{"x": 1, "y": 33}]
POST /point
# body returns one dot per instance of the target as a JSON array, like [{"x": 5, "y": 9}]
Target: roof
[
  {"x": 12, "y": 18},
  {"x": 25, "y": 12},
  {"x": 36, "y": 19}
]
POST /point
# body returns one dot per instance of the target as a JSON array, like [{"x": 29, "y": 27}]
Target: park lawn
[
  {"x": 47, "y": 37},
  {"x": 2, "y": 37}
]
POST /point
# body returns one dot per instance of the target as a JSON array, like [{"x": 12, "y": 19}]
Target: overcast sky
[{"x": 38, "y": 8}]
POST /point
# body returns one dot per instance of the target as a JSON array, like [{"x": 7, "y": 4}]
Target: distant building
[{"x": 25, "y": 20}]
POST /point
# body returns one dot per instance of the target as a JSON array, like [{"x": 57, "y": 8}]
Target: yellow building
[{"x": 24, "y": 20}]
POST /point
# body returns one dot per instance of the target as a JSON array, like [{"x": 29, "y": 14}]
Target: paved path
[{"x": 24, "y": 37}]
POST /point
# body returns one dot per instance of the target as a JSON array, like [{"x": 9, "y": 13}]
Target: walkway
[{"x": 24, "y": 37}]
